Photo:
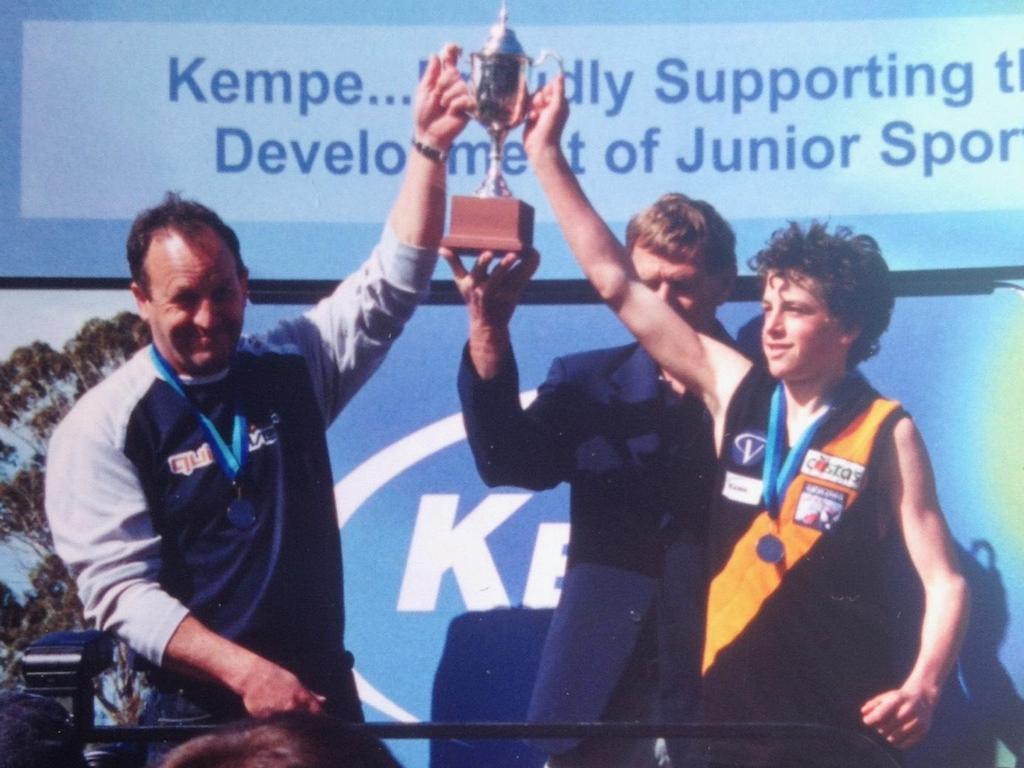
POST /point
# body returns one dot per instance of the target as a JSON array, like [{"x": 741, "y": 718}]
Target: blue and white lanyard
[
  {"x": 231, "y": 460},
  {"x": 776, "y": 474}
]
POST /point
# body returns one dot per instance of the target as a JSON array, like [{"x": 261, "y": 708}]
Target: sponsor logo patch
[
  {"x": 819, "y": 507},
  {"x": 748, "y": 448},
  {"x": 745, "y": 490},
  {"x": 848, "y": 474},
  {"x": 187, "y": 462}
]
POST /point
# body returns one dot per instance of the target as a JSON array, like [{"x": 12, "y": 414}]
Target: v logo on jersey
[{"x": 748, "y": 448}]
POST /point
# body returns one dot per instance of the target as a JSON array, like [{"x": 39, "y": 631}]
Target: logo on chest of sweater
[
  {"x": 848, "y": 474},
  {"x": 187, "y": 462},
  {"x": 819, "y": 507}
]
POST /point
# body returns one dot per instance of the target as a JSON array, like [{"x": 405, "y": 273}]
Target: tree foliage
[{"x": 38, "y": 386}]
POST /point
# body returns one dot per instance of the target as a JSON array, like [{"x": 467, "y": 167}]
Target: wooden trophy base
[{"x": 489, "y": 224}]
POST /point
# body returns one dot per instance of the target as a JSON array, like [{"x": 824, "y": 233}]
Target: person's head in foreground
[
  {"x": 294, "y": 740},
  {"x": 37, "y": 732}
]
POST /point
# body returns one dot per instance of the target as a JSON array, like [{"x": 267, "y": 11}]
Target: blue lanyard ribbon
[
  {"x": 776, "y": 474},
  {"x": 231, "y": 459}
]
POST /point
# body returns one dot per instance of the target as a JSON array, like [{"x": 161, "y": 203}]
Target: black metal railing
[
  {"x": 817, "y": 744},
  {"x": 63, "y": 666}
]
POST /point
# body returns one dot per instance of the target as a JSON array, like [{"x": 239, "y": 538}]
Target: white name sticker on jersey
[{"x": 745, "y": 490}]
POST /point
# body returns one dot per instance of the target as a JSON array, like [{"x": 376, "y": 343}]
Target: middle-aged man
[
  {"x": 636, "y": 449},
  {"x": 191, "y": 494}
]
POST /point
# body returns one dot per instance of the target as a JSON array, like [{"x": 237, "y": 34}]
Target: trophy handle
[{"x": 546, "y": 54}]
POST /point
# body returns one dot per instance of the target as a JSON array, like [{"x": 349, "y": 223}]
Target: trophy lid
[{"x": 503, "y": 40}]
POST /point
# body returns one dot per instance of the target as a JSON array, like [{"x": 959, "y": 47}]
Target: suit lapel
[{"x": 636, "y": 378}]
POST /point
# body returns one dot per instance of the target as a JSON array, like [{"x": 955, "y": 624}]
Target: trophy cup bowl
[
  {"x": 493, "y": 218},
  {"x": 498, "y": 87}
]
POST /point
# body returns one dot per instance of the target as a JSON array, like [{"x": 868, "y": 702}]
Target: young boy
[{"x": 823, "y": 483}]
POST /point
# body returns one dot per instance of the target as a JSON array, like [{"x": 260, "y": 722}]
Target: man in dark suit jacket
[{"x": 637, "y": 451}]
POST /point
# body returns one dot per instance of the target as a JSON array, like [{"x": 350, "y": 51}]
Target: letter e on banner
[
  {"x": 547, "y": 566},
  {"x": 439, "y": 544}
]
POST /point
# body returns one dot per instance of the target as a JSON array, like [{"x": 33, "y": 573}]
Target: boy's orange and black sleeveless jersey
[{"x": 810, "y": 638}]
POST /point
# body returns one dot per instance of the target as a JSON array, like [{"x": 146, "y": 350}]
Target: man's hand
[
  {"x": 439, "y": 114},
  {"x": 491, "y": 295},
  {"x": 442, "y": 101},
  {"x": 264, "y": 687},
  {"x": 902, "y": 716},
  {"x": 267, "y": 689},
  {"x": 491, "y": 290},
  {"x": 545, "y": 122}
]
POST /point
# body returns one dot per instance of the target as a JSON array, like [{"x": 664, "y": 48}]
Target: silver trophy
[
  {"x": 500, "y": 74},
  {"x": 492, "y": 218}
]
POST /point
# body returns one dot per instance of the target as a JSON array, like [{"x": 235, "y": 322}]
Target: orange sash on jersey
[{"x": 746, "y": 582}]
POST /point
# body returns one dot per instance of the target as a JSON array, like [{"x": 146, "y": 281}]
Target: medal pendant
[
  {"x": 770, "y": 549},
  {"x": 241, "y": 513}
]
